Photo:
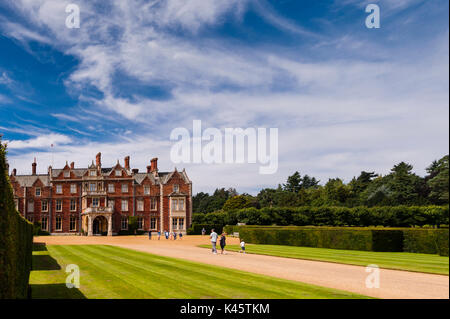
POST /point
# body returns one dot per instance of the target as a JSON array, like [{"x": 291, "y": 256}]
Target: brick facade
[{"x": 97, "y": 200}]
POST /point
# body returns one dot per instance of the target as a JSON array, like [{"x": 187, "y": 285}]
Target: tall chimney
[
  {"x": 127, "y": 163},
  {"x": 33, "y": 167},
  {"x": 72, "y": 165},
  {"x": 149, "y": 169},
  {"x": 14, "y": 173},
  {"x": 154, "y": 164},
  {"x": 98, "y": 159},
  {"x": 135, "y": 171}
]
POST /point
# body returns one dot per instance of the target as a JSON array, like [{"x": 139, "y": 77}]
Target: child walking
[{"x": 242, "y": 247}]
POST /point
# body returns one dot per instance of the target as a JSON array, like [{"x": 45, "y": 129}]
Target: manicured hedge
[
  {"x": 326, "y": 237},
  {"x": 426, "y": 241},
  {"x": 16, "y": 240},
  {"x": 415, "y": 240},
  {"x": 196, "y": 229},
  {"x": 389, "y": 216}
]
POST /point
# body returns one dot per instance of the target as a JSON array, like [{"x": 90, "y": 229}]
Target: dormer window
[
  {"x": 118, "y": 172},
  {"x": 92, "y": 173},
  {"x": 176, "y": 188},
  {"x": 38, "y": 191},
  {"x": 66, "y": 174}
]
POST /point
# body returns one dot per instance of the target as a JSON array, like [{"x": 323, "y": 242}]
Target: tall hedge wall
[
  {"x": 327, "y": 237},
  {"x": 395, "y": 216},
  {"x": 427, "y": 241},
  {"x": 16, "y": 238}
]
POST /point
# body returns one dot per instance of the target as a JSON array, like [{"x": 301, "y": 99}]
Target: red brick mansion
[{"x": 98, "y": 200}]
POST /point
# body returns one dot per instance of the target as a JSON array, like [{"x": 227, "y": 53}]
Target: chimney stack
[
  {"x": 127, "y": 163},
  {"x": 154, "y": 165},
  {"x": 98, "y": 159},
  {"x": 149, "y": 169},
  {"x": 72, "y": 165},
  {"x": 14, "y": 172},
  {"x": 33, "y": 167},
  {"x": 135, "y": 171}
]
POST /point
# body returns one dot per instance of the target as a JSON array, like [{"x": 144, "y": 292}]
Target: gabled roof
[{"x": 29, "y": 180}]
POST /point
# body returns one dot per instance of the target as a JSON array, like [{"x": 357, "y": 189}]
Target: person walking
[
  {"x": 159, "y": 234},
  {"x": 174, "y": 236},
  {"x": 203, "y": 231},
  {"x": 223, "y": 243},
  {"x": 180, "y": 235},
  {"x": 213, "y": 238},
  {"x": 149, "y": 235},
  {"x": 242, "y": 247},
  {"x": 166, "y": 233}
]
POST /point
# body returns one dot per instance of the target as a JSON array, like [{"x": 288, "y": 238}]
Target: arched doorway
[{"x": 100, "y": 226}]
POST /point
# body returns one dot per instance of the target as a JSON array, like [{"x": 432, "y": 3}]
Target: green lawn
[
  {"x": 112, "y": 272},
  {"x": 402, "y": 261}
]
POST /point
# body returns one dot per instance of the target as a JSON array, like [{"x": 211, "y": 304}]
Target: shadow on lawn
[
  {"x": 55, "y": 291},
  {"x": 39, "y": 247},
  {"x": 44, "y": 262}
]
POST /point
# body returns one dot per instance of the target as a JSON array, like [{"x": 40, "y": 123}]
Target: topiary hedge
[
  {"x": 415, "y": 240},
  {"x": 16, "y": 240},
  {"x": 326, "y": 237},
  {"x": 426, "y": 241}
]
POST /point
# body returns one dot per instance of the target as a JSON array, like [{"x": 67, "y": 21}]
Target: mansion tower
[{"x": 98, "y": 201}]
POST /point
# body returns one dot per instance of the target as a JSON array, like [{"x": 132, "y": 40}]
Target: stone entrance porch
[{"x": 102, "y": 217}]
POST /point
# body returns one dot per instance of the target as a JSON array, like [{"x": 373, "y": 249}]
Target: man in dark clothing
[{"x": 223, "y": 242}]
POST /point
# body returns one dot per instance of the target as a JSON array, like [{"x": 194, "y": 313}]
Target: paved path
[{"x": 394, "y": 284}]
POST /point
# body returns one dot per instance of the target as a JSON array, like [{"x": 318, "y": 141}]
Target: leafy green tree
[
  {"x": 438, "y": 181},
  {"x": 133, "y": 224},
  {"x": 237, "y": 202},
  {"x": 294, "y": 183}
]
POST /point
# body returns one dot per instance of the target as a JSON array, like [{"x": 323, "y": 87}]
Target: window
[
  {"x": 30, "y": 206},
  {"x": 174, "y": 205},
  {"x": 124, "y": 223},
  {"x": 180, "y": 223},
  {"x": 118, "y": 172},
  {"x": 111, "y": 203},
  {"x": 152, "y": 223},
  {"x": 174, "y": 223},
  {"x": 140, "y": 205},
  {"x": 153, "y": 204},
  {"x": 58, "y": 205},
  {"x": 44, "y": 223},
  {"x": 58, "y": 189},
  {"x": 44, "y": 206},
  {"x": 66, "y": 174},
  {"x": 92, "y": 173},
  {"x": 176, "y": 188},
  {"x": 111, "y": 188},
  {"x": 95, "y": 202},
  {"x": 146, "y": 190},
  {"x": 124, "y": 205},
  {"x": 181, "y": 204},
  {"x": 58, "y": 225},
  {"x": 73, "y": 188},
  {"x": 38, "y": 191},
  {"x": 73, "y": 205},
  {"x": 124, "y": 188},
  {"x": 92, "y": 187},
  {"x": 140, "y": 223},
  {"x": 73, "y": 223}
]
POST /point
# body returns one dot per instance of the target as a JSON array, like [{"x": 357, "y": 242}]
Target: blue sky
[{"x": 344, "y": 98}]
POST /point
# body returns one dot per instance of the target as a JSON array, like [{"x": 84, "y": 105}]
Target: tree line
[{"x": 400, "y": 187}]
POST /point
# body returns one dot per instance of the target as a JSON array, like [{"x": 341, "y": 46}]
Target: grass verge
[{"x": 108, "y": 272}]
